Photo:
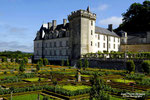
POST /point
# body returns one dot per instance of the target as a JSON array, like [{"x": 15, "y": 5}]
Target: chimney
[
  {"x": 54, "y": 24},
  {"x": 49, "y": 25},
  {"x": 110, "y": 27},
  {"x": 64, "y": 22}
]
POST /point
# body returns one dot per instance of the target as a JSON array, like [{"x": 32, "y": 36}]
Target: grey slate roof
[{"x": 104, "y": 31}]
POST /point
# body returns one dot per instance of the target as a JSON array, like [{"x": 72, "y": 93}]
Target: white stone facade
[{"x": 73, "y": 39}]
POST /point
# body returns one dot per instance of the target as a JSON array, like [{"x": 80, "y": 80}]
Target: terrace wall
[{"x": 118, "y": 64}]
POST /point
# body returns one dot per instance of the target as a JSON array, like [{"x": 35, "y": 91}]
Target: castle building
[{"x": 73, "y": 39}]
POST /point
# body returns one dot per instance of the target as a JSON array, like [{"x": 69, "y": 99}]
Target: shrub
[
  {"x": 12, "y": 60},
  {"x": 79, "y": 64},
  {"x": 130, "y": 66},
  {"x": 38, "y": 66},
  {"x": 62, "y": 63},
  {"x": 86, "y": 63},
  {"x": 4, "y": 59},
  {"x": 22, "y": 67},
  {"x": 68, "y": 62},
  {"x": 41, "y": 61},
  {"x": 146, "y": 66},
  {"x": 25, "y": 59},
  {"x": 45, "y": 61},
  {"x": 135, "y": 76},
  {"x": 17, "y": 60},
  {"x": 144, "y": 82}
]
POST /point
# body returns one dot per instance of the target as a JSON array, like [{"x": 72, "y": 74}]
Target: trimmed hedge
[{"x": 146, "y": 66}]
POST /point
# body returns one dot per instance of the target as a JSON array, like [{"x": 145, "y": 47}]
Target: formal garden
[{"x": 20, "y": 80}]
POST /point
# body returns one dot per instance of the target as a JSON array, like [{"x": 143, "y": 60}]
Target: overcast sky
[{"x": 21, "y": 19}]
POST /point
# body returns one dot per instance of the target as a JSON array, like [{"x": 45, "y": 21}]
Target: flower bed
[
  {"x": 123, "y": 81},
  {"x": 28, "y": 97},
  {"x": 34, "y": 79},
  {"x": 74, "y": 88}
]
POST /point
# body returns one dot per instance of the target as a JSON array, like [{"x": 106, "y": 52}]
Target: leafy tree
[
  {"x": 12, "y": 60},
  {"x": 22, "y": 66},
  {"x": 62, "y": 63},
  {"x": 130, "y": 66},
  {"x": 4, "y": 59},
  {"x": 68, "y": 62},
  {"x": 41, "y": 61},
  {"x": 38, "y": 66},
  {"x": 25, "y": 59},
  {"x": 45, "y": 61},
  {"x": 136, "y": 18},
  {"x": 97, "y": 90},
  {"x": 79, "y": 64},
  {"x": 86, "y": 63},
  {"x": 146, "y": 66},
  {"x": 17, "y": 60}
]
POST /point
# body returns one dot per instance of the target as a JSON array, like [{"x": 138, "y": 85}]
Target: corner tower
[{"x": 82, "y": 30}]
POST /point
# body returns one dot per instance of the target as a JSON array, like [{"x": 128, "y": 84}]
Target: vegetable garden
[{"x": 61, "y": 82}]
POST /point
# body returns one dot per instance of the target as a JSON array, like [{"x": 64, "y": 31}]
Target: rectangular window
[
  {"x": 37, "y": 45},
  {"x": 114, "y": 39},
  {"x": 118, "y": 39},
  {"x": 45, "y": 45},
  {"x": 108, "y": 38},
  {"x": 91, "y": 23},
  {"x": 66, "y": 52},
  {"x": 54, "y": 44},
  {"x": 50, "y": 44},
  {"x": 98, "y": 45},
  {"x": 91, "y": 32},
  {"x": 54, "y": 52},
  {"x": 60, "y": 52},
  {"x": 37, "y": 52},
  {"x": 45, "y": 52},
  {"x": 60, "y": 44},
  {"x": 114, "y": 46},
  {"x": 50, "y": 52},
  {"x": 98, "y": 37},
  {"x": 91, "y": 43},
  {"x": 109, "y": 45},
  {"x": 103, "y": 45},
  {"x": 67, "y": 43},
  {"x": 104, "y": 37}
]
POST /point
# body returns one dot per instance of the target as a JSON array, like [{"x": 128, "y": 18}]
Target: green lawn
[
  {"x": 34, "y": 79},
  {"x": 74, "y": 88},
  {"x": 83, "y": 75},
  {"x": 123, "y": 81},
  {"x": 28, "y": 97}
]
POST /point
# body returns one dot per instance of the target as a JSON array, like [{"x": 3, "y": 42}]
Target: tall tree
[
  {"x": 97, "y": 90},
  {"x": 136, "y": 18},
  {"x": 22, "y": 66}
]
